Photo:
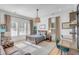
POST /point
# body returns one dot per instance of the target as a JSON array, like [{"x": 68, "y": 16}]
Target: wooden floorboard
[{"x": 54, "y": 51}]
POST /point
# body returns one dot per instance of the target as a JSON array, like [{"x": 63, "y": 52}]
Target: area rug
[
  {"x": 27, "y": 47},
  {"x": 43, "y": 51}
]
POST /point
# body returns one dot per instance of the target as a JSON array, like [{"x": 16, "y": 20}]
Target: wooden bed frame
[{"x": 36, "y": 38}]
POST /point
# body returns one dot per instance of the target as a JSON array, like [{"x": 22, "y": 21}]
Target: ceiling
[{"x": 45, "y": 10}]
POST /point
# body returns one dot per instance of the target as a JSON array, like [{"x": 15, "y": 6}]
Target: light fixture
[
  {"x": 49, "y": 31},
  {"x": 37, "y": 19}
]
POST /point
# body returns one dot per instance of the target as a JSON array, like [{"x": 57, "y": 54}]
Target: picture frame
[
  {"x": 65, "y": 25},
  {"x": 43, "y": 26}
]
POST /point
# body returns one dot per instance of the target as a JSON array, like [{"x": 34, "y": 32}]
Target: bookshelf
[{"x": 73, "y": 26}]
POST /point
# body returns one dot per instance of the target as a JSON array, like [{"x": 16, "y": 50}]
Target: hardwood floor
[
  {"x": 43, "y": 43},
  {"x": 54, "y": 51}
]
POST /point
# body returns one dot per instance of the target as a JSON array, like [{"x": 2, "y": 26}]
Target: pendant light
[{"x": 37, "y": 19}]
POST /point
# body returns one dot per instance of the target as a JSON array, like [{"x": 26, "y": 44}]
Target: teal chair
[{"x": 63, "y": 49}]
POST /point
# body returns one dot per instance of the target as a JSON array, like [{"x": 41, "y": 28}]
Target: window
[
  {"x": 14, "y": 30},
  {"x": 22, "y": 29},
  {"x": 19, "y": 27}
]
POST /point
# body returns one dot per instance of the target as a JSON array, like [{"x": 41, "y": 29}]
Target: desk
[{"x": 68, "y": 44}]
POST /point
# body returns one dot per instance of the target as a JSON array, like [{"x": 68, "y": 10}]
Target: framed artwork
[
  {"x": 43, "y": 26},
  {"x": 65, "y": 25}
]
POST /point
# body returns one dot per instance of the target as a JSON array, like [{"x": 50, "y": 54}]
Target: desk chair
[{"x": 63, "y": 49}]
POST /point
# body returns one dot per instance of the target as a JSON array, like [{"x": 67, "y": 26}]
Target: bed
[{"x": 35, "y": 38}]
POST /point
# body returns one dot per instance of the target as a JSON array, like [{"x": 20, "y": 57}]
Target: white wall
[
  {"x": 18, "y": 19},
  {"x": 43, "y": 21},
  {"x": 2, "y": 18},
  {"x": 28, "y": 27},
  {"x": 53, "y": 34},
  {"x": 19, "y": 35},
  {"x": 64, "y": 17}
]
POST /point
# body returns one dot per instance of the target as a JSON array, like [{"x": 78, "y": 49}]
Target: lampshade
[
  {"x": 49, "y": 31},
  {"x": 37, "y": 19}
]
